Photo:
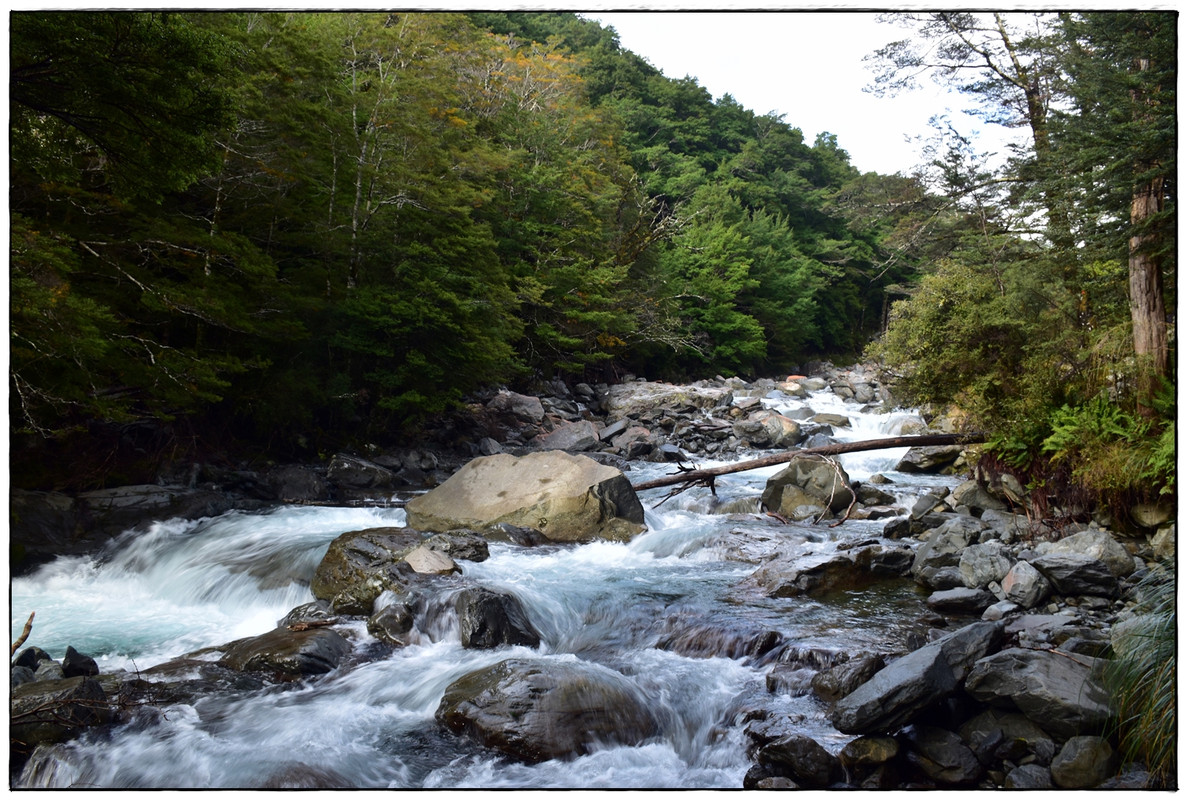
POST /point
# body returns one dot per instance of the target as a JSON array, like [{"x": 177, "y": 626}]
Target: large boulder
[
  {"x": 929, "y": 460},
  {"x": 1075, "y": 573},
  {"x": 636, "y": 398},
  {"x": 487, "y": 619},
  {"x": 536, "y": 710},
  {"x": 1096, "y": 544},
  {"x": 360, "y": 565},
  {"x": 1063, "y": 695},
  {"x": 44, "y": 712},
  {"x": 898, "y": 693},
  {"x": 567, "y": 498},
  {"x": 576, "y": 436},
  {"x": 801, "y": 759},
  {"x": 807, "y": 486}
]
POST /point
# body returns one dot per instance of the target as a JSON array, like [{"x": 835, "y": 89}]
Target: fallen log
[{"x": 706, "y": 476}]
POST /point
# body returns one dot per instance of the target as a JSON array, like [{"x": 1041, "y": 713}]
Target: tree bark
[{"x": 706, "y": 475}]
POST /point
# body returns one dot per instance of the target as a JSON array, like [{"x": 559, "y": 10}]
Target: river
[{"x": 668, "y": 610}]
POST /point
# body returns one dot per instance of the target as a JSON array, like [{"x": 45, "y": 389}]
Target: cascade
[{"x": 668, "y": 610}]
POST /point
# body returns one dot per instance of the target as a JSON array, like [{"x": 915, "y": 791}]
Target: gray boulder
[
  {"x": 1029, "y": 776},
  {"x": 576, "y": 437},
  {"x": 45, "y": 712},
  {"x": 1025, "y": 585},
  {"x": 983, "y": 564},
  {"x": 1077, "y": 574},
  {"x": 941, "y": 755},
  {"x": 536, "y": 710},
  {"x": 972, "y": 494},
  {"x": 806, "y": 486},
  {"x": 1084, "y": 762},
  {"x": 834, "y": 683},
  {"x": 637, "y": 398},
  {"x": 897, "y": 694},
  {"x": 802, "y": 759},
  {"x": 961, "y": 600},
  {"x": 929, "y": 460},
  {"x": 522, "y": 407},
  {"x": 352, "y": 472},
  {"x": 1096, "y": 544},
  {"x": 565, "y": 497},
  {"x": 1060, "y": 694}
]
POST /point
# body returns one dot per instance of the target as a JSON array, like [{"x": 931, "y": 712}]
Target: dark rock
[
  {"x": 940, "y": 578},
  {"x": 906, "y": 687},
  {"x": 463, "y": 545},
  {"x": 319, "y": 611},
  {"x": 941, "y": 755},
  {"x": 488, "y": 619},
  {"x": 45, "y": 712},
  {"x": 1029, "y": 776},
  {"x": 845, "y": 571},
  {"x": 19, "y": 675},
  {"x": 996, "y": 734},
  {"x": 929, "y": 460},
  {"x": 1074, "y": 574},
  {"x": 1060, "y": 694},
  {"x": 393, "y": 623},
  {"x": 75, "y": 664},
  {"x": 292, "y": 483},
  {"x": 833, "y": 684},
  {"x": 867, "y": 752},
  {"x": 808, "y": 483},
  {"x": 1083, "y": 762},
  {"x": 536, "y": 710},
  {"x": 287, "y": 652},
  {"x": 352, "y": 472},
  {"x": 961, "y": 600},
  {"x": 802, "y": 759},
  {"x": 31, "y": 657}
]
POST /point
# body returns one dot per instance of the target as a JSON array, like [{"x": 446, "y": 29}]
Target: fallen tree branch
[
  {"x": 24, "y": 634},
  {"x": 700, "y": 475}
]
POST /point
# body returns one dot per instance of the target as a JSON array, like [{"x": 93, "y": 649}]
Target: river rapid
[{"x": 668, "y": 610}]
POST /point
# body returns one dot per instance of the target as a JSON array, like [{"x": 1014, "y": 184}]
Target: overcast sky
[{"x": 806, "y": 66}]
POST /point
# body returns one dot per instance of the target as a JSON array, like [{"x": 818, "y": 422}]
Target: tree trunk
[
  {"x": 707, "y": 475},
  {"x": 1146, "y": 305}
]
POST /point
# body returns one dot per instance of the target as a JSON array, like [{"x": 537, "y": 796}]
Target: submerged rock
[
  {"x": 288, "y": 652},
  {"x": 536, "y": 710},
  {"x": 568, "y": 498}
]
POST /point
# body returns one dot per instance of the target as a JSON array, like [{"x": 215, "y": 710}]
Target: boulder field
[{"x": 1001, "y": 689}]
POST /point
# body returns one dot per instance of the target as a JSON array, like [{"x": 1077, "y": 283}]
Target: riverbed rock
[
  {"x": 898, "y": 693},
  {"x": 488, "y": 619},
  {"x": 359, "y": 565},
  {"x": 75, "y": 664},
  {"x": 1078, "y": 574},
  {"x": 1083, "y": 762},
  {"x": 972, "y": 494},
  {"x": 834, "y": 683},
  {"x": 983, "y": 564},
  {"x": 941, "y": 755},
  {"x": 789, "y": 577},
  {"x": 288, "y": 652},
  {"x": 536, "y": 710},
  {"x": 766, "y": 428},
  {"x": 522, "y": 407},
  {"x": 574, "y": 437},
  {"x": 636, "y": 398},
  {"x": 808, "y": 483},
  {"x": 1062, "y": 695},
  {"x": 353, "y": 473},
  {"x": 929, "y": 460},
  {"x": 802, "y": 759},
  {"x": 960, "y": 600},
  {"x": 1097, "y": 544},
  {"x": 568, "y": 498},
  {"x": 43, "y": 712},
  {"x": 1025, "y": 585},
  {"x": 1028, "y": 776}
]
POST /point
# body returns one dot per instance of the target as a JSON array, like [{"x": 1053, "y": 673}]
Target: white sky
[{"x": 806, "y": 66}]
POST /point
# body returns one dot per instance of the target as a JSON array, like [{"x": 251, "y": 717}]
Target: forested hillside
[{"x": 297, "y": 230}]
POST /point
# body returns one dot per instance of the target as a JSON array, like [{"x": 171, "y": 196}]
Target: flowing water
[{"x": 671, "y": 610}]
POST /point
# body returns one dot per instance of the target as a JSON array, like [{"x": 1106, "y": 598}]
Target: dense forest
[{"x": 294, "y": 231}]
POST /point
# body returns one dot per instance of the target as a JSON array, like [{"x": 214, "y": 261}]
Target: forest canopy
[{"x": 296, "y": 229}]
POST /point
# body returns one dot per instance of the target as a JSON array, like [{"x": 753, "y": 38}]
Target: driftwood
[
  {"x": 24, "y": 634},
  {"x": 706, "y": 476}
]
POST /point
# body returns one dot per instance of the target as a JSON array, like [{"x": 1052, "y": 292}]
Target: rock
[
  {"x": 318, "y": 612},
  {"x": 32, "y": 657},
  {"x": 782, "y": 577},
  {"x": 113, "y": 511},
  {"x": 833, "y": 420},
  {"x": 45, "y": 712},
  {"x": 351, "y": 472},
  {"x": 1060, "y": 694},
  {"x": 928, "y": 502},
  {"x": 572, "y": 437},
  {"x": 488, "y": 619},
  {"x": 960, "y": 600},
  {"x": 292, "y": 483},
  {"x": 815, "y": 482},
  {"x": 1152, "y": 515},
  {"x": 941, "y": 755},
  {"x": 1029, "y": 776},
  {"x": 945, "y": 544},
  {"x": 566, "y": 497},
  {"x": 1025, "y": 585},
  {"x": 288, "y": 652},
  {"x": 999, "y": 610},
  {"x": 906, "y": 687},
  {"x": 834, "y": 683},
  {"x": 634, "y": 399},
  {"x": 460, "y": 544},
  {"x": 536, "y": 710},
  {"x": 983, "y": 564},
  {"x": 929, "y": 460},
  {"x": 972, "y": 494},
  {"x": 866, "y": 752},
  {"x": 766, "y": 428},
  {"x": 360, "y": 565},
  {"x": 1163, "y": 543},
  {"x": 1083, "y": 762},
  {"x": 1095, "y": 544},
  {"x": 940, "y": 578},
  {"x": 989, "y": 731},
  {"x": 1074, "y": 574},
  {"x": 427, "y": 561},
  {"x": 44, "y": 525},
  {"x": 802, "y": 759},
  {"x": 75, "y": 664},
  {"x": 873, "y": 496},
  {"x": 394, "y": 623},
  {"x": 519, "y": 406}
]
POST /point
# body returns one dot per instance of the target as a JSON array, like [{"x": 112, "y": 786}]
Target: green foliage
[{"x": 1141, "y": 677}]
